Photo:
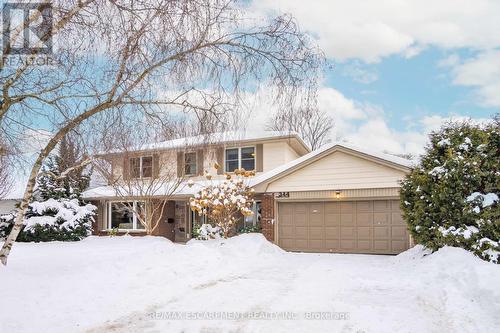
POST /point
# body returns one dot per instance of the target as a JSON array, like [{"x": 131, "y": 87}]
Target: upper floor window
[
  {"x": 190, "y": 164},
  {"x": 240, "y": 158},
  {"x": 141, "y": 167}
]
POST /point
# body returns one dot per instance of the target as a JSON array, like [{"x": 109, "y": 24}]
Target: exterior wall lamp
[{"x": 337, "y": 194}]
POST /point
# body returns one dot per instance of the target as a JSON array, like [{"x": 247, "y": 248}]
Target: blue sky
[{"x": 402, "y": 67}]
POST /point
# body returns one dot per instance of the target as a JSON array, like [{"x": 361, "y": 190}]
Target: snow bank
[
  {"x": 250, "y": 244},
  {"x": 115, "y": 284}
]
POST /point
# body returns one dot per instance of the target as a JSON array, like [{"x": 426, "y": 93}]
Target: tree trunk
[
  {"x": 18, "y": 224},
  {"x": 28, "y": 192}
]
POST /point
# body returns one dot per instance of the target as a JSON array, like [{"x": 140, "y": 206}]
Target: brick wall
[
  {"x": 164, "y": 228},
  {"x": 267, "y": 211}
]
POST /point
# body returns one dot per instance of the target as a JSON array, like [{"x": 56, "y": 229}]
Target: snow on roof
[
  {"x": 282, "y": 168},
  {"x": 220, "y": 137},
  {"x": 109, "y": 191}
]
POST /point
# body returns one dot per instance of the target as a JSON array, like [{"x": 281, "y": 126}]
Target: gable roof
[
  {"x": 285, "y": 169},
  {"x": 281, "y": 171}
]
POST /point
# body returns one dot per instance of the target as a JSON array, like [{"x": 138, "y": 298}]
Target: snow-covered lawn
[{"x": 126, "y": 284}]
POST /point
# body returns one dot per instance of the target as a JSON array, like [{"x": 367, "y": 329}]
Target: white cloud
[
  {"x": 483, "y": 73},
  {"x": 359, "y": 123},
  {"x": 359, "y": 74},
  {"x": 371, "y": 30}
]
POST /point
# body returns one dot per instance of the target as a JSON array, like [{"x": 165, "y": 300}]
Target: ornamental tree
[
  {"x": 451, "y": 197},
  {"x": 222, "y": 200}
]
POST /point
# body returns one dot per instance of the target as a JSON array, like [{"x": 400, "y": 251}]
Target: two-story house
[{"x": 338, "y": 198}]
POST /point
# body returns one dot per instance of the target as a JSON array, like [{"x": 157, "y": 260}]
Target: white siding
[
  {"x": 6, "y": 206},
  {"x": 276, "y": 154},
  {"x": 290, "y": 154},
  {"x": 339, "y": 170}
]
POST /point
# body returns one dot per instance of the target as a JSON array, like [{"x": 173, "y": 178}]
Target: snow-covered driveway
[{"x": 148, "y": 284}]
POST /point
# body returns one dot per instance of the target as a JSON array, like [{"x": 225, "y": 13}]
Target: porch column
[{"x": 267, "y": 216}]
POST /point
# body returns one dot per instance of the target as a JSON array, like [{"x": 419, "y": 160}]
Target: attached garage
[
  {"x": 340, "y": 199},
  {"x": 365, "y": 226}
]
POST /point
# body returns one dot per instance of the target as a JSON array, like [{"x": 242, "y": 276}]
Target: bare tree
[
  {"x": 149, "y": 55},
  {"x": 133, "y": 172},
  {"x": 5, "y": 175},
  {"x": 313, "y": 125}
]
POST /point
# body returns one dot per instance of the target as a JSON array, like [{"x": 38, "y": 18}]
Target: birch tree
[{"x": 154, "y": 55}]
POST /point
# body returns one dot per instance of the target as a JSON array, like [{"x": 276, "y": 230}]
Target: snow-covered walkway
[{"x": 148, "y": 284}]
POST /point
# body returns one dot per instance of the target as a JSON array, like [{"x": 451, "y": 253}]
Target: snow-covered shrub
[
  {"x": 51, "y": 220},
  {"x": 207, "y": 231},
  {"x": 451, "y": 197},
  {"x": 224, "y": 201},
  {"x": 250, "y": 229}
]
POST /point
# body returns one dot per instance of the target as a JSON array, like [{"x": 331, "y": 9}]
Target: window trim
[
  {"x": 239, "y": 157},
  {"x": 134, "y": 217},
  {"x": 140, "y": 167},
  {"x": 195, "y": 163}
]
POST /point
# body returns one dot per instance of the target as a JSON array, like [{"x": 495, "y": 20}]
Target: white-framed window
[
  {"x": 126, "y": 215},
  {"x": 141, "y": 167},
  {"x": 236, "y": 158},
  {"x": 190, "y": 167}
]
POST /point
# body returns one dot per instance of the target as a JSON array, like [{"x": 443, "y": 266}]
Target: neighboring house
[{"x": 336, "y": 199}]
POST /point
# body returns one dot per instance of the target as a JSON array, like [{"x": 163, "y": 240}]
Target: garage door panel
[
  {"x": 367, "y": 226},
  {"x": 299, "y": 207},
  {"x": 364, "y": 232},
  {"x": 300, "y": 219},
  {"x": 316, "y": 214},
  {"x": 316, "y": 233},
  {"x": 397, "y": 218},
  {"x": 348, "y": 245},
  {"x": 364, "y": 245},
  {"x": 286, "y": 231},
  {"x": 286, "y": 220},
  {"x": 395, "y": 206},
  {"x": 332, "y": 232},
  {"x": 347, "y": 219},
  {"x": 302, "y": 244},
  {"x": 332, "y": 219},
  {"x": 287, "y": 243},
  {"x": 332, "y": 207},
  {"x": 398, "y": 232},
  {"x": 382, "y": 245},
  {"x": 347, "y": 232},
  {"x": 286, "y": 208},
  {"x": 347, "y": 207},
  {"x": 399, "y": 246},
  {"x": 364, "y": 206},
  {"x": 381, "y": 218},
  {"x": 364, "y": 219},
  {"x": 316, "y": 244},
  {"x": 301, "y": 232},
  {"x": 331, "y": 244},
  {"x": 381, "y": 232},
  {"x": 381, "y": 206}
]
